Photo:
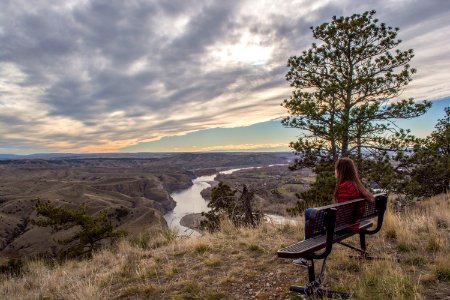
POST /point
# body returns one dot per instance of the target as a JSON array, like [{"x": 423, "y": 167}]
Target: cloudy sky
[{"x": 108, "y": 76}]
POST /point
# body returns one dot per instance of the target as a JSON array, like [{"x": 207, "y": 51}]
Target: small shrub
[
  {"x": 385, "y": 281},
  {"x": 148, "y": 291},
  {"x": 415, "y": 261},
  {"x": 170, "y": 235},
  {"x": 179, "y": 253},
  {"x": 442, "y": 274},
  {"x": 255, "y": 248},
  {"x": 442, "y": 269},
  {"x": 121, "y": 212},
  {"x": 428, "y": 278},
  {"x": 229, "y": 280},
  {"x": 350, "y": 266},
  {"x": 405, "y": 247},
  {"x": 151, "y": 291},
  {"x": 142, "y": 240},
  {"x": 190, "y": 290},
  {"x": 212, "y": 262},
  {"x": 14, "y": 267},
  {"x": 391, "y": 234},
  {"x": 434, "y": 245},
  {"x": 441, "y": 223},
  {"x": 285, "y": 228},
  {"x": 213, "y": 295},
  {"x": 158, "y": 260},
  {"x": 202, "y": 249}
]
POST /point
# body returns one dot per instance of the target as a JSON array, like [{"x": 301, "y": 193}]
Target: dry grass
[{"x": 242, "y": 264}]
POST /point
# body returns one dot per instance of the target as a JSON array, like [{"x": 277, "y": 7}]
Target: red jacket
[{"x": 346, "y": 192}]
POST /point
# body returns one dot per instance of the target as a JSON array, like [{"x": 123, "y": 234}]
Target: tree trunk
[
  {"x": 345, "y": 137},
  {"x": 358, "y": 149},
  {"x": 358, "y": 143},
  {"x": 246, "y": 198},
  {"x": 348, "y": 99},
  {"x": 333, "y": 130},
  {"x": 334, "y": 150}
]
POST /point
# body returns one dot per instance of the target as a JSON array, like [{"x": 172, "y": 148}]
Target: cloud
[
  {"x": 266, "y": 135},
  {"x": 104, "y": 75},
  {"x": 247, "y": 147}
]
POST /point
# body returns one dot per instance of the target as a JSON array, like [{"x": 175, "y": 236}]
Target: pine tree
[
  {"x": 92, "y": 230},
  {"x": 226, "y": 204},
  {"x": 342, "y": 100},
  {"x": 343, "y": 89},
  {"x": 429, "y": 165}
]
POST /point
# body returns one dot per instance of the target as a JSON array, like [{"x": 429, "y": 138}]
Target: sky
[{"x": 181, "y": 75}]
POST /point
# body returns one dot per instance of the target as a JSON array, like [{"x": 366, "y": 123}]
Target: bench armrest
[
  {"x": 330, "y": 221},
  {"x": 381, "y": 203}
]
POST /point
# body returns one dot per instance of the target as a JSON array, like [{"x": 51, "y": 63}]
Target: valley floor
[{"x": 242, "y": 264}]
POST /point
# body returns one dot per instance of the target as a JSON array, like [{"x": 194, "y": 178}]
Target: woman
[{"x": 348, "y": 187}]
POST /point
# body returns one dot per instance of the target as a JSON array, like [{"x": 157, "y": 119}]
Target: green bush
[
  {"x": 92, "y": 229},
  {"x": 226, "y": 204},
  {"x": 442, "y": 273},
  {"x": 14, "y": 267}
]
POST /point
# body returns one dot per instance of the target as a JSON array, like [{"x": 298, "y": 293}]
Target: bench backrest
[{"x": 347, "y": 214}]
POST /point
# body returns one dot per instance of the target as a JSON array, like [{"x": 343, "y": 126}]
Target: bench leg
[
  {"x": 319, "y": 292},
  {"x": 362, "y": 241},
  {"x": 363, "y": 251},
  {"x": 311, "y": 271},
  {"x": 313, "y": 286},
  {"x": 352, "y": 247},
  {"x": 363, "y": 254},
  {"x": 370, "y": 257}
]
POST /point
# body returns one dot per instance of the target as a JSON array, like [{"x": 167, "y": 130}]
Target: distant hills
[
  {"x": 8, "y": 156},
  {"x": 138, "y": 155},
  {"x": 82, "y": 155}
]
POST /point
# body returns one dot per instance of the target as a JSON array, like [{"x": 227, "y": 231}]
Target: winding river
[{"x": 190, "y": 201}]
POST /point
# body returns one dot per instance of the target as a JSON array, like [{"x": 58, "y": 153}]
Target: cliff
[{"x": 135, "y": 197}]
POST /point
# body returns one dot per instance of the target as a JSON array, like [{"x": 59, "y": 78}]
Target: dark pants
[{"x": 307, "y": 215}]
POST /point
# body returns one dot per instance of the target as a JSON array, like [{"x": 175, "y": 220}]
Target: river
[{"x": 190, "y": 201}]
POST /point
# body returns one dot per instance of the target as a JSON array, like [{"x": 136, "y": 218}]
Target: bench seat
[{"x": 304, "y": 248}]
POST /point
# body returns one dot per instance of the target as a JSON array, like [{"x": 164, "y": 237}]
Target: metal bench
[{"x": 332, "y": 224}]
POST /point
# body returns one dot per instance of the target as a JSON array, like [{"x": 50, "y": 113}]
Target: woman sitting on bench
[{"x": 348, "y": 187}]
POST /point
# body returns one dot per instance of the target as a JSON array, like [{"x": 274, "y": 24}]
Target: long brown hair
[{"x": 346, "y": 170}]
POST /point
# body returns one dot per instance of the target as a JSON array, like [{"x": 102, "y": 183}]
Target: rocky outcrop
[{"x": 147, "y": 188}]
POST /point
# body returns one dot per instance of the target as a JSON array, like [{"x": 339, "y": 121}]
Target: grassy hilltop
[{"x": 242, "y": 264}]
